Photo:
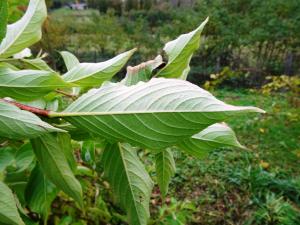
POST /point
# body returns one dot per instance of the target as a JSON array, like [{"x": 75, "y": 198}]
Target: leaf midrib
[{"x": 74, "y": 114}]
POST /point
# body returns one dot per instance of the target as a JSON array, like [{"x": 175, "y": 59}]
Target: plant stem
[
  {"x": 37, "y": 111},
  {"x": 66, "y": 94}
]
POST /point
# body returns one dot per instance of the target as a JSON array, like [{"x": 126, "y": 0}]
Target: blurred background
[
  {"x": 247, "y": 40},
  {"x": 249, "y": 55}
]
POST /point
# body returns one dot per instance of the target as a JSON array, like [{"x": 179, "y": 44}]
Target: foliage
[
  {"x": 123, "y": 120},
  {"x": 16, "y": 9},
  {"x": 272, "y": 46},
  {"x": 3, "y": 18},
  {"x": 219, "y": 79},
  {"x": 281, "y": 83}
]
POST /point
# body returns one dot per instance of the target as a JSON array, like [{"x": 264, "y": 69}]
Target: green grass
[
  {"x": 275, "y": 135},
  {"x": 260, "y": 185}
]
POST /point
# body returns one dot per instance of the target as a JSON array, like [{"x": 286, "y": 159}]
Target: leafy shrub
[
  {"x": 58, "y": 132},
  {"x": 220, "y": 79},
  {"x": 282, "y": 83}
]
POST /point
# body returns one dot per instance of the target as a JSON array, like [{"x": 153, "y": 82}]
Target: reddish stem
[{"x": 41, "y": 112}]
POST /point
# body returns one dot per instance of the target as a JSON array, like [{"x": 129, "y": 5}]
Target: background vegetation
[{"x": 247, "y": 46}]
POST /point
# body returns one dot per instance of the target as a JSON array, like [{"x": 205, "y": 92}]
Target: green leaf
[
  {"x": 64, "y": 140},
  {"x": 19, "y": 124},
  {"x": 40, "y": 192},
  {"x": 9, "y": 213},
  {"x": 8, "y": 65},
  {"x": 3, "y": 18},
  {"x": 94, "y": 74},
  {"x": 27, "y": 85},
  {"x": 129, "y": 180},
  {"x": 70, "y": 60},
  {"x": 55, "y": 166},
  {"x": 215, "y": 136},
  {"x": 17, "y": 171},
  {"x": 155, "y": 115},
  {"x": 180, "y": 52},
  {"x": 24, "y": 157},
  {"x": 6, "y": 157},
  {"x": 26, "y": 31},
  {"x": 37, "y": 64},
  {"x": 141, "y": 72},
  {"x": 165, "y": 169}
]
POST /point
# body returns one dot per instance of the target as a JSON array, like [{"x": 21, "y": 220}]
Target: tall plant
[{"x": 152, "y": 108}]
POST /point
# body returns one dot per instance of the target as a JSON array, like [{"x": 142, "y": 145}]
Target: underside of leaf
[
  {"x": 155, "y": 115},
  {"x": 213, "y": 137},
  {"x": 129, "y": 180}
]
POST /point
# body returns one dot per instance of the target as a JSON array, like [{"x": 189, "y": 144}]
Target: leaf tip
[
  {"x": 202, "y": 25},
  {"x": 255, "y": 109},
  {"x": 132, "y": 51},
  {"x": 251, "y": 109}
]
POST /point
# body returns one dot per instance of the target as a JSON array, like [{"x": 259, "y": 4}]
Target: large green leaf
[
  {"x": 141, "y": 72},
  {"x": 26, "y": 31},
  {"x": 165, "y": 169},
  {"x": 40, "y": 192},
  {"x": 70, "y": 60},
  {"x": 8, "y": 210},
  {"x": 55, "y": 166},
  {"x": 215, "y": 136},
  {"x": 129, "y": 180},
  {"x": 179, "y": 52},
  {"x": 27, "y": 85},
  {"x": 154, "y": 115},
  {"x": 19, "y": 124},
  {"x": 94, "y": 74},
  {"x": 3, "y": 18}
]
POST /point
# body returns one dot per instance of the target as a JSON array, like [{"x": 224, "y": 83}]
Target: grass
[{"x": 256, "y": 186}]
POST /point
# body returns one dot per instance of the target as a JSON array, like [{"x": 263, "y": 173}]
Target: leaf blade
[
  {"x": 28, "y": 85},
  {"x": 26, "y": 31},
  {"x": 215, "y": 136},
  {"x": 179, "y": 52},
  {"x": 9, "y": 212},
  {"x": 70, "y": 60},
  {"x": 40, "y": 192},
  {"x": 165, "y": 169},
  {"x": 37, "y": 64},
  {"x": 132, "y": 186},
  {"x": 19, "y": 124},
  {"x": 55, "y": 165},
  {"x": 94, "y": 74},
  {"x": 155, "y": 115}
]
